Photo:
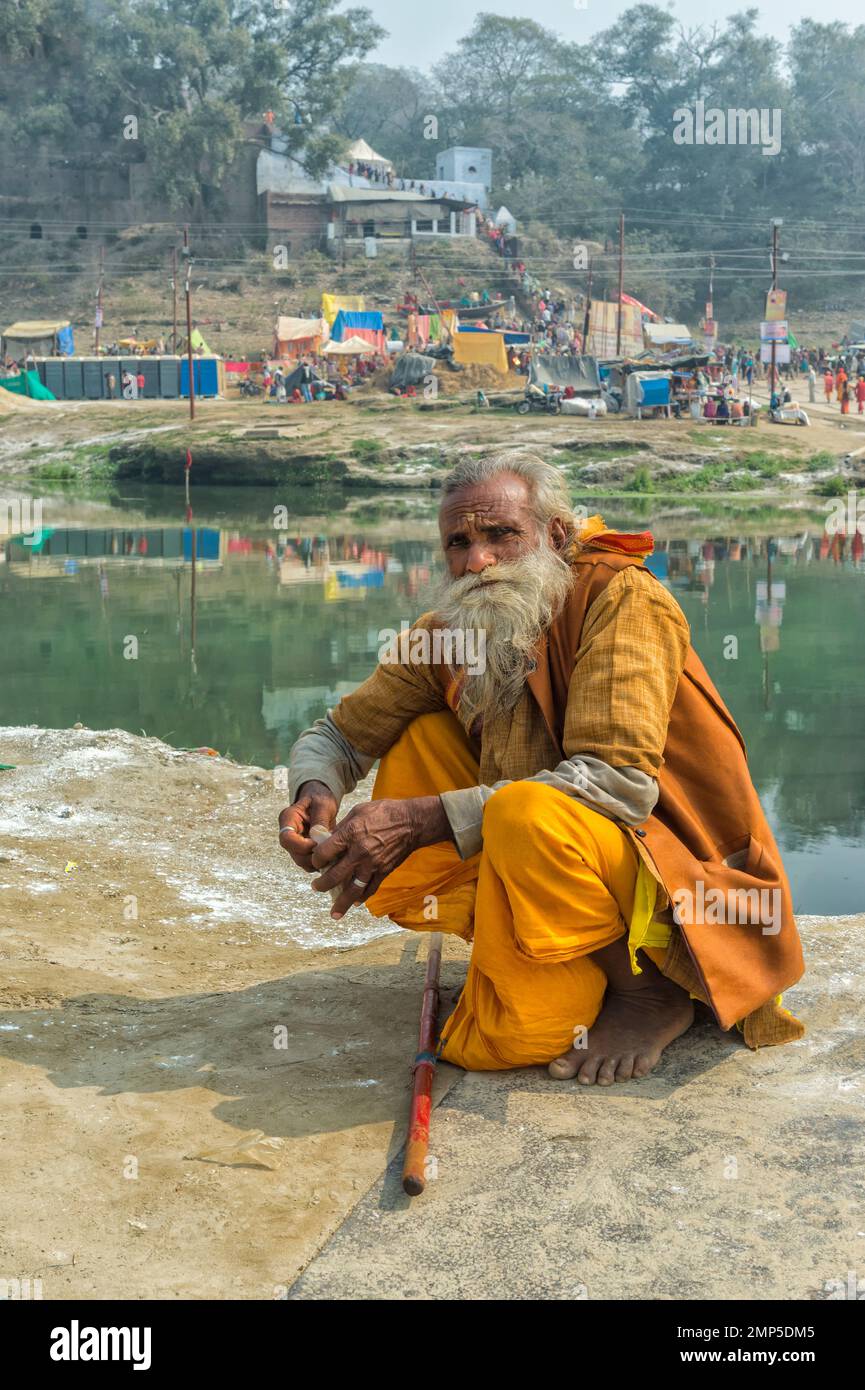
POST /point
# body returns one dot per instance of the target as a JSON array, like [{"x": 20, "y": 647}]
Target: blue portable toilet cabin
[{"x": 206, "y": 376}]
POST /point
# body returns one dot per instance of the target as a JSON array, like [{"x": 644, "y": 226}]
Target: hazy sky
[{"x": 421, "y": 31}]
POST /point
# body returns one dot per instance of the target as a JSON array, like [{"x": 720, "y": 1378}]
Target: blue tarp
[
  {"x": 347, "y": 320},
  {"x": 654, "y": 390},
  {"x": 659, "y": 564},
  {"x": 515, "y": 339},
  {"x": 65, "y": 342},
  {"x": 373, "y": 579}
]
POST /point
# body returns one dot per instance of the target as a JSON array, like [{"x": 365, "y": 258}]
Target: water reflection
[{"x": 207, "y": 630}]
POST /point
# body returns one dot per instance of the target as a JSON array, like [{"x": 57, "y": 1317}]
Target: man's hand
[
  {"x": 373, "y": 840},
  {"x": 315, "y": 805}
]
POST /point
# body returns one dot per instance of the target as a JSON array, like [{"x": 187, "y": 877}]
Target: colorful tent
[
  {"x": 643, "y": 308},
  {"x": 363, "y": 325},
  {"x": 365, "y": 154},
  {"x": 27, "y": 384},
  {"x": 603, "y": 330},
  {"x": 293, "y": 336},
  {"x": 481, "y": 349},
  {"x": 350, "y": 347},
  {"x": 562, "y": 369},
  {"x": 332, "y": 303},
  {"x": 39, "y": 336},
  {"x": 666, "y": 334},
  {"x": 197, "y": 342}
]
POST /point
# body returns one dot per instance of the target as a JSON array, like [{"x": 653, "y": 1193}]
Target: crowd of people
[
  {"x": 384, "y": 175},
  {"x": 317, "y": 378}
]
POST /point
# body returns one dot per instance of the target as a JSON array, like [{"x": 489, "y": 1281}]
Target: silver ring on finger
[{"x": 359, "y": 883}]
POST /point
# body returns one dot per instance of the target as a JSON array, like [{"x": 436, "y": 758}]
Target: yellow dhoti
[{"x": 555, "y": 881}]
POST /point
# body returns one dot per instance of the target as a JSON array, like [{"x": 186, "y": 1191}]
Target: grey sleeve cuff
[
  {"x": 323, "y": 754},
  {"x": 465, "y": 811},
  {"x": 621, "y": 793}
]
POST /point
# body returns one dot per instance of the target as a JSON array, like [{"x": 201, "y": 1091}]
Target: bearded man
[{"x": 577, "y": 803}]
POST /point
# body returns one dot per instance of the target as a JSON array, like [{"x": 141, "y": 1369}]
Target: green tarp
[{"x": 27, "y": 384}]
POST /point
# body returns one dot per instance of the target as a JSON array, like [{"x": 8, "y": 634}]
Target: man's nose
[{"x": 480, "y": 557}]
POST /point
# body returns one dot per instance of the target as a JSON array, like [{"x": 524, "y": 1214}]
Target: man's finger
[
  {"x": 337, "y": 872},
  {"x": 292, "y": 824},
  {"x": 329, "y": 850},
  {"x": 355, "y": 892}
]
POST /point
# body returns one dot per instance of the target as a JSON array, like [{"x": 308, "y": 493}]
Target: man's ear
[{"x": 558, "y": 534}]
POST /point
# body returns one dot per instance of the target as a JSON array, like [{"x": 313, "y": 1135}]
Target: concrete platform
[{"x": 725, "y": 1174}]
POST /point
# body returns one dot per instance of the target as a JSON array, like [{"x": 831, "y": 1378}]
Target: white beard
[{"x": 512, "y": 603}]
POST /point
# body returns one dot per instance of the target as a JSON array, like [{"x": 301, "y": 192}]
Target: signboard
[
  {"x": 97, "y": 322},
  {"x": 782, "y": 353},
  {"x": 776, "y": 305},
  {"x": 773, "y": 331}
]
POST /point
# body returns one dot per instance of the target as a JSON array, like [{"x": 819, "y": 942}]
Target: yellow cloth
[
  {"x": 481, "y": 349},
  {"x": 555, "y": 881},
  {"x": 332, "y": 303}
]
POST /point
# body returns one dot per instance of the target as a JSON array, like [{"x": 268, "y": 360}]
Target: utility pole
[
  {"x": 621, "y": 283},
  {"x": 99, "y": 300},
  {"x": 174, "y": 298},
  {"x": 776, "y": 223},
  {"x": 587, "y": 317},
  {"x": 188, "y": 259}
]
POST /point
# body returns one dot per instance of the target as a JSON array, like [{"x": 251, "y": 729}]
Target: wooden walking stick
[{"x": 417, "y": 1139}]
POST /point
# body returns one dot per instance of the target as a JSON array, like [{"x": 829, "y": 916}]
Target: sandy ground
[
  {"x": 131, "y": 1047},
  {"x": 204, "y": 1080}
]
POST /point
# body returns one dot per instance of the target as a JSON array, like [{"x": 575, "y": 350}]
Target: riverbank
[
  {"x": 377, "y": 442},
  {"x": 205, "y": 1080}
]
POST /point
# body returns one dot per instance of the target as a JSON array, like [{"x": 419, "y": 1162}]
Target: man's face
[{"x": 486, "y": 524}]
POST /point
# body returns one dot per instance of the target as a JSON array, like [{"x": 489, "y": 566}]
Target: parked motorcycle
[
  {"x": 250, "y": 388},
  {"x": 536, "y": 399}
]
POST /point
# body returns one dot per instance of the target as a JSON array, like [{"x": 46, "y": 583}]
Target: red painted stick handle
[{"x": 417, "y": 1139}]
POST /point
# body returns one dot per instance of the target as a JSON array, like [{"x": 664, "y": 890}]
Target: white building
[{"x": 467, "y": 165}]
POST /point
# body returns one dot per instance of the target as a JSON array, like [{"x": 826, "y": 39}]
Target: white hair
[{"x": 548, "y": 489}]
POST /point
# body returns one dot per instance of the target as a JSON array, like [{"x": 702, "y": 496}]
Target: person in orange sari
[{"x": 569, "y": 794}]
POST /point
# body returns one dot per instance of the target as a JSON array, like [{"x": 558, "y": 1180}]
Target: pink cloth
[{"x": 370, "y": 335}]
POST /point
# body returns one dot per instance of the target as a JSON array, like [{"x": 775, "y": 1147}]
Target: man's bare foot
[{"x": 642, "y": 1014}]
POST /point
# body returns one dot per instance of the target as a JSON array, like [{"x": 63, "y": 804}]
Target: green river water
[{"x": 275, "y": 624}]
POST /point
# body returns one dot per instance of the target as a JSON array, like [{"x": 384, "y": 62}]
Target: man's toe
[
  {"x": 588, "y": 1072},
  {"x": 563, "y": 1068},
  {"x": 625, "y": 1069},
  {"x": 607, "y": 1071},
  {"x": 643, "y": 1064}
]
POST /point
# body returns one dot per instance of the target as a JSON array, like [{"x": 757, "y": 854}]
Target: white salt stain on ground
[{"x": 254, "y": 891}]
